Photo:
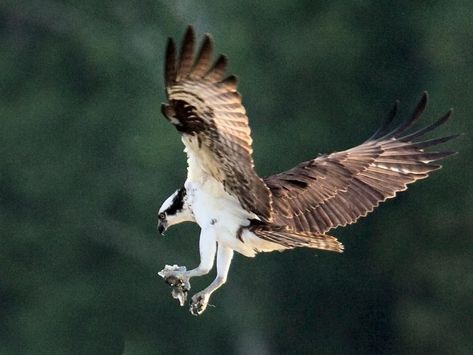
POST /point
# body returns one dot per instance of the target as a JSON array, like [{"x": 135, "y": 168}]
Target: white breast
[{"x": 214, "y": 208}]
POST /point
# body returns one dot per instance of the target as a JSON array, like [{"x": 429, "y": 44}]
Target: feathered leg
[{"x": 200, "y": 300}]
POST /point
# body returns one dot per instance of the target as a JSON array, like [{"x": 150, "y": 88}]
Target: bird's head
[{"x": 174, "y": 210}]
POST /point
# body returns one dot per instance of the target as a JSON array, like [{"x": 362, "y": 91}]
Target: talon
[
  {"x": 179, "y": 281},
  {"x": 180, "y": 287},
  {"x": 175, "y": 277},
  {"x": 198, "y": 304}
]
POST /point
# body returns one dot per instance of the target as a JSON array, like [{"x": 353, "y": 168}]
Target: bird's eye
[{"x": 162, "y": 216}]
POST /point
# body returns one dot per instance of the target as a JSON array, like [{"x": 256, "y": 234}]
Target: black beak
[{"x": 161, "y": 228}]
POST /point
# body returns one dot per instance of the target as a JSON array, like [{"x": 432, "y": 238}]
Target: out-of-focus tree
[{"x": 86, "y": 159}]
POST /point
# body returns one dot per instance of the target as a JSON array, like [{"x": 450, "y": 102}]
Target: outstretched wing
[
  {"x": 206, "y": 108},
  {"x": 336, "y": 189}
]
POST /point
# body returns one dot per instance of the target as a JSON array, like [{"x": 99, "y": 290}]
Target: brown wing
[
  {"x": 335, "y": 190},
  {"x": 206, "y": 108}
]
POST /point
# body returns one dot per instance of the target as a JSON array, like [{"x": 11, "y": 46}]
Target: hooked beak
[{"x": 161, "y": 227}]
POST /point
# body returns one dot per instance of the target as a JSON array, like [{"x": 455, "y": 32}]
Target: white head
[{"x": 174, "y": 210}]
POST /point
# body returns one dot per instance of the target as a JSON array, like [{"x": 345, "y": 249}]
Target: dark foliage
[{"x": 86, "y": 159}]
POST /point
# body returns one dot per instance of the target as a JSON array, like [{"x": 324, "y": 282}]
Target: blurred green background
[{"x": 86, "y": 159}]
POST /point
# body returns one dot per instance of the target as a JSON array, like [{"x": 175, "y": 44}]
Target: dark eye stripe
[{"x": 177, "y": 203}]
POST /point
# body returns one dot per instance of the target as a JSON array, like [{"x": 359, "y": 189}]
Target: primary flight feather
[{"x": 239, "y": 211}]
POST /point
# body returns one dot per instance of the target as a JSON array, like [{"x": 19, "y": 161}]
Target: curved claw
[
  {"x": 175, "y": 277},
  {"x": 199, "y": 303},
  {"x": 178, "y": 281},
  {"x": 180, "y": 288}
]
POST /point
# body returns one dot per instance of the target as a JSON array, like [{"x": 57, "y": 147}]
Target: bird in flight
[{"x": 239, "y": 211}]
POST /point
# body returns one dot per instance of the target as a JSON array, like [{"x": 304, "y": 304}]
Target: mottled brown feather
[
  {"x": 203, "y": 59},
  {"x": 337, "y": 189},
  {"x": 204, "y": 105}
]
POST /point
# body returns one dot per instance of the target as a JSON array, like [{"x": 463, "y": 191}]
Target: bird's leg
[
  {"x": 178, "y": 277},
  {"x": 200, "y": 300},
  {"x": 207, "y": 248}
]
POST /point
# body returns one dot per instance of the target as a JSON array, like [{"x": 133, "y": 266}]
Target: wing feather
[
  {"x": 203, "y": 59},
  {"x": 217, "y": 71},
  {"x": 206, "y": 108},
  {"x": 186, "y": 57},
  {"x": 337, "y": 189}
]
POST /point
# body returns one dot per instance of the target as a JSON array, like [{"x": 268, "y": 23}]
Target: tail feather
[{"x": 291, "y": 239}]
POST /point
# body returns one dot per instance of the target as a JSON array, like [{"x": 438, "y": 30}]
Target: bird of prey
[{"x": 239, "y": 211}]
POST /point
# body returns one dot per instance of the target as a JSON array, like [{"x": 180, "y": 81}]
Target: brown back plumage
[
  {"x": 336, "y": 189},
  {"x": 207, "y": 106}
]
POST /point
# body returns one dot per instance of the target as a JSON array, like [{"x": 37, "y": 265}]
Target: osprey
[{"x": 239, "y": 211}]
